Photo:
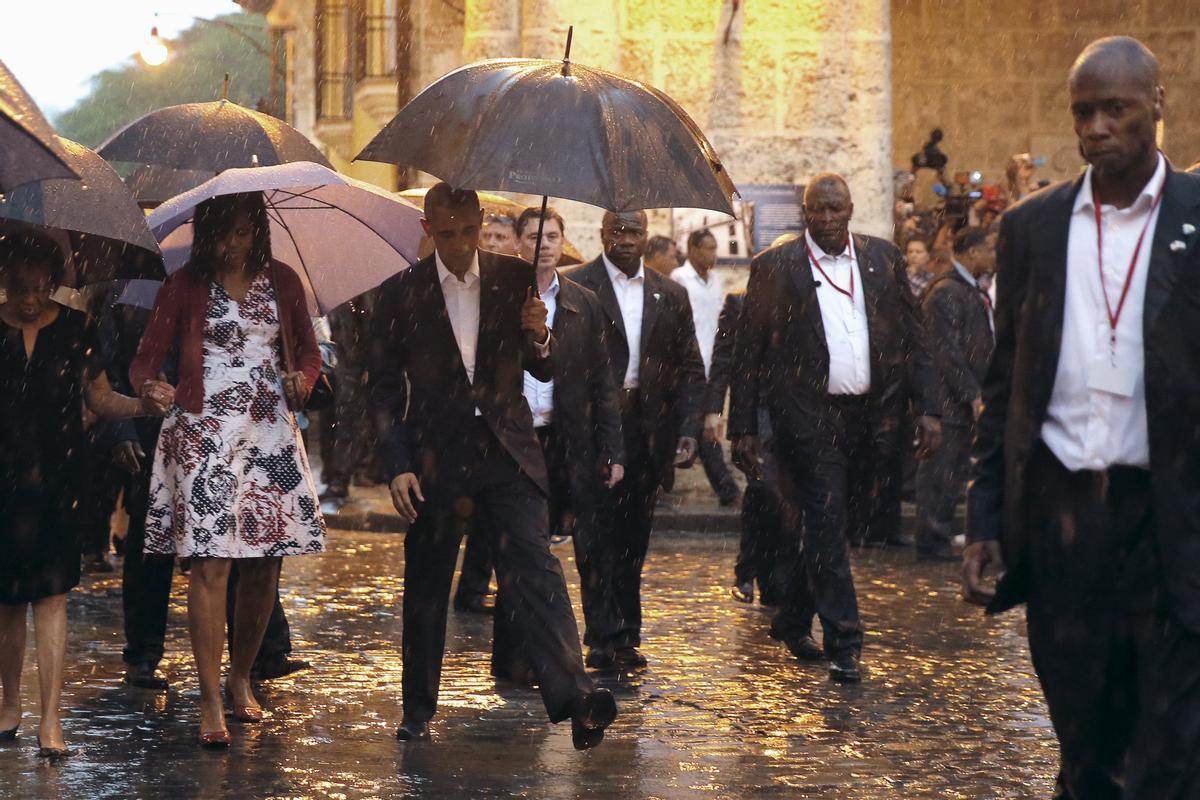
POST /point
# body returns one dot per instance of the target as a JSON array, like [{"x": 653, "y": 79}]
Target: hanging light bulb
[{"x": 154, "y": 52}]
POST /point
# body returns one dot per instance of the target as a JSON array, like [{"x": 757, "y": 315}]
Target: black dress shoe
[
  {"x": 805, "y": 648},
  {"x": 629, "y": 658},
  {"x": 743, "y": 592},
  {"x": 600, "y": 658},
  {"x": 145, "y": 675},
  {"x": 475, "y": 604},
  {"x": 410, "y": 731},
  {"x": 9, "y": 735},
  {"x": 277, "y": 666},
  {"x": 900, "y": 540},
  {"x": 593, "y": 713},
  {"x": 843, "y": 668}
]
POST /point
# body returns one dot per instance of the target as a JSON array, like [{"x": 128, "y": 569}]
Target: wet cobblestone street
[{"x": 949, "y": 708}]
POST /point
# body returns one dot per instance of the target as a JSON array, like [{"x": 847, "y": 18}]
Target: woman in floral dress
[{"x": 231, "y": 479}]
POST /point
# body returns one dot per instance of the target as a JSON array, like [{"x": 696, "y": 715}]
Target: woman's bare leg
[
  {"x": 206, "y": 625},
  {"x": 257, "y": 580},
  {"x": 12, "y": 659},
  {"x": 50, "y": 633}
]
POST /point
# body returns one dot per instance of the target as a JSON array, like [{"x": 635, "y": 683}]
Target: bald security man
[
  {"x": 1086, "y": 493},
  {"x": 832, "y": 347}
]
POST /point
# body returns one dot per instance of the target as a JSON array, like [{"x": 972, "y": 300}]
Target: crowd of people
[{"x": 512, "y": 400}]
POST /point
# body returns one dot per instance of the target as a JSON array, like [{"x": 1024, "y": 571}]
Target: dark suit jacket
[
  {"x": 419, "y": 394},
  {"x": 961, "y": 342},
  {"x": 782, "y": 359},
  {"x": 1032, "y": 273},
  {"x": 721, "y": 370},
  {"x": 586, "y": 414},
  {"x": 671, "y": 372}
]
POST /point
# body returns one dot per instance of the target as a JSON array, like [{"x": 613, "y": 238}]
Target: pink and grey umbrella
[
  {"x": 29, "y": 150},
  {"x": 342, "y": 236}
]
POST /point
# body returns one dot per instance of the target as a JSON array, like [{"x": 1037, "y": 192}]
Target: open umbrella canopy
[
  {"x": 29, "y": 150},
  {"x": 210, "y": 136},
  {"x": 98, "y": 213},
  {"x": 559, "y": 129},
  {"x": 153, "y": 185},
  {"x": 342, "y": 236}
]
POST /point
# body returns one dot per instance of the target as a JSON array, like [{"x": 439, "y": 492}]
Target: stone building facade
[
  {"x": 783, "y": 88},
  {"x": 993, "y": 76}
]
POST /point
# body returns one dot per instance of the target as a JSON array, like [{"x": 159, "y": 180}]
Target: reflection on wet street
[{"x": 949, "y": 709}]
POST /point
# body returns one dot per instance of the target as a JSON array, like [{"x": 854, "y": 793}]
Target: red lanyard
[
  {"x": 1115, "y": 316},
  {"x": 817, "y": 264}
]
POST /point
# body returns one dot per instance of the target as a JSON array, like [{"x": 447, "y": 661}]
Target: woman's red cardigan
[{"x": 179, "y": 314}]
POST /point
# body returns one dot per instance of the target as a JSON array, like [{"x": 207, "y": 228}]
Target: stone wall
[{"x": 993, "y": 75}]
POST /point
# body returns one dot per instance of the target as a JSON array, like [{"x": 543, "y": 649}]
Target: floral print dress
[{"x": 234, "y": 481}]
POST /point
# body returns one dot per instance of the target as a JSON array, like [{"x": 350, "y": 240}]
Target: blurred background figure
[
  {"x": 662, "y": 255},
  {"x": 919, "y": 265},
  {"x": 499, "y": 234},
  {"x": 1019, "y": 179},
  {"x": 706, "y": 295}
]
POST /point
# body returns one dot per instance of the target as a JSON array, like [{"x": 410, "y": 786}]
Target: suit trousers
[
  {"x": 611, "y": 542},
  {"x": 815, "y": 469},
  {"x": 941, "y": 482},
  {"x": 712, "y": 458},
  {"x": 509, "y": 659},
  {"x": 1120, "y": 673},
  {"x": 767, "y": 552},
  {"x": 481, "y": 481},
  {"x": 145, "y": 582}
]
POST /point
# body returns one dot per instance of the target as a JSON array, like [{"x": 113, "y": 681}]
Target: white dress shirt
[
  {"x": 462, "y": 304},
  {"x": 1088, "y": 426},
  {"x": 844, "y": 318},
  {"x": 631, "y": 297},
  {"x": 706, "y": 297},
  {"x": 540, "y": 394}
]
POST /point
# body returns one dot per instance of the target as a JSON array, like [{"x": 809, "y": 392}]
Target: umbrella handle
[{"x": 537, "y": 248}]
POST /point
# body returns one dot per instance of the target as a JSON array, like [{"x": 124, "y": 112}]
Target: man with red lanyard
[
  {"x": 832, "y": 347},
  {"x": 1086, "y": 497}
]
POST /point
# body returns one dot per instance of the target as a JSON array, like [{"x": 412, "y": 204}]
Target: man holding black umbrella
[
  {"x": 453, "y": 335},
  {"x": 655, "y": 359}
]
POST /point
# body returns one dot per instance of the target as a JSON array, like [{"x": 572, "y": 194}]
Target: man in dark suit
[
  {"x": 766, "y": 556},
  {"x": 1086, "y": 491},
  {"x": 655, "y": 359},
  {"x": 958, "y": 316},
  {"x": 453, "y": 335},
  {"x": 830, "y": 339},
  {"x": 575, "y": 416}
]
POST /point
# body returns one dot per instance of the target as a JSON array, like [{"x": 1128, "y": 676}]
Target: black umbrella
[
  {"x": 560, "y": 129},
  {"x": 210, "y": 136},
  {"x": 108, "y": 232},
  {"x": 153, "y": 185},
  {"x": 29, "y": 150}
]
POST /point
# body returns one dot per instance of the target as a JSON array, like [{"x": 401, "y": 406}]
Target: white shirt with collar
[
  {"x": 1087, "y": 427},
  {"x": 706, "y": 297},
  {"x": 540, "y": 394},
  {"x": 462, "y": 304},
  {"x": 973, "y": 282},
  {"x": 631, "y": 298},
  {"x": 844, "y": 319}
]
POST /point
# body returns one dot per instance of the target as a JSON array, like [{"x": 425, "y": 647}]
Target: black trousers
[
  {"x": 514, "y": 516},
  {"x": 611, "y": 541},
  {"x": 817, "y": 482},
  {"x": 720, "y": 478},
  {"x": 351, "y": 438},
  {"x": 1120, "y": 673},
  {"x": 768, "y": 551},
  {"x": 941, "y": 481},
  {"x": 145, "y": 582},
  {"x": 875, "y": 479}
]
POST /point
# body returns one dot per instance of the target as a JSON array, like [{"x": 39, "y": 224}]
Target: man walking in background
[
  {"x": 958, "y": 316},
  {"x": 655, "y": 360},
  {"x": 706, "y": 296}
]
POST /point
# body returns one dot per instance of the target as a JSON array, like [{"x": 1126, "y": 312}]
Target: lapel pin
[
  {"x": 1188, "y": 229},
  {"x": 657, "y": 296},
  {"x": 1177, "y": 246}
]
